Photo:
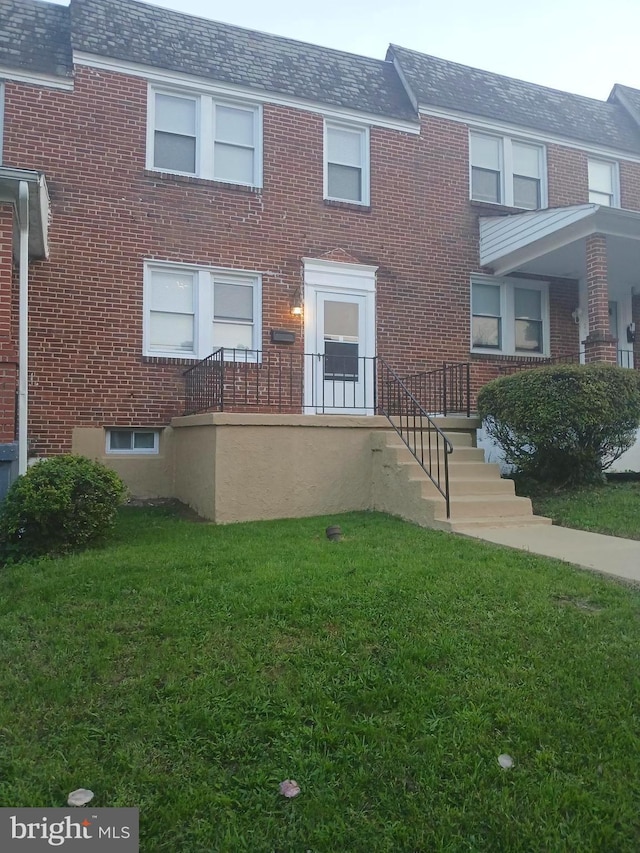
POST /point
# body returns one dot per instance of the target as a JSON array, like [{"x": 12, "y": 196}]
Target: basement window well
[{"x": 133, "y": 441}]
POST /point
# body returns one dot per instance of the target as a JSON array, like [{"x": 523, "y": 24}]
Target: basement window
[{"x": 133, "y": 441}]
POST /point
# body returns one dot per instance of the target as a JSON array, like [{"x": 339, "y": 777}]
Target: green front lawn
[
  {"x": 612, "y": 508},
  {"x": 188, "y": 669}
]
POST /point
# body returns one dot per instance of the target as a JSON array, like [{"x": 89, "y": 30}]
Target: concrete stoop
[{"x": 479, "y": 497}]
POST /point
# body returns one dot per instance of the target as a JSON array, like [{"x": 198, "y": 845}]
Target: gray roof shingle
[
  {"x": 137, "y": 32},
  {"x": 629, "y": 98},
  {"x": 34, "y": 36},
  {"x": 440, "y": 83}
]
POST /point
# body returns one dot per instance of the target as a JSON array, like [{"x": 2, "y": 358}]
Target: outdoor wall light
[
  {"x": 576, "y": 314},
  {"x": 631, "y": 333},
  {"x": 296, "y": 303}
]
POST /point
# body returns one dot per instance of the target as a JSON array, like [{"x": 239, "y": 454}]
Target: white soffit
[{"x": 509, "y": 242}]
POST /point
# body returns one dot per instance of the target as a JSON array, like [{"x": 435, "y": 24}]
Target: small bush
[
  {"x": 61, "y": 504},
  {"x": 563, "y": 425}
]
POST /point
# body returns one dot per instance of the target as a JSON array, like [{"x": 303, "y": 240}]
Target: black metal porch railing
[
  {"x": 280, "y": 382},
  {"x": 442, "y": 391},
  {"x": 250, "y": 380},
  {"x": 425, "y": 440},
  {"x": 625, "y": 358}
]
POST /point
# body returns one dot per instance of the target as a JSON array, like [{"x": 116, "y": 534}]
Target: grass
[
  {"x": 612, "y": 508},
  {"x": 188, "y": 669}
]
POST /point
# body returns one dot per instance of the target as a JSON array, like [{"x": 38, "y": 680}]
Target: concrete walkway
[{"x": 607, "y": 554}]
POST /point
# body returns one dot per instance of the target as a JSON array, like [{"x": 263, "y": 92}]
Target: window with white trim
[
  {"x": 189, "y": 312},
  {"x": 603, "y": 183},
  {"x": 133, "y": 441},
  {"x": 510, "y": 316},
  {"x": 202, "y": 136},
  {"x": 507, "y": 171},
  {"x": 346, "y": 163}
]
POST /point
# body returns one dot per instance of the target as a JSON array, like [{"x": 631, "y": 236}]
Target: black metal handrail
[
  {"x": 204, "y": 384},
  {"x": 424, "y": 439},
  {"x": 443, "y": 390},
  {"x": 281, "y": 382},
  {"x": 624, "y": 358}
]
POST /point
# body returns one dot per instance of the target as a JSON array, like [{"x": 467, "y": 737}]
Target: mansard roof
[
  {"x": 132, "y": 31},
  {"x": 448, "y": 85},
  {"x": 35, "y": 37}
]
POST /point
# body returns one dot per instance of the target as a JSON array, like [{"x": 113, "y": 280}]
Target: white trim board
[
  {"x": 496, "y": 127},
  {"x": 230, "y": 90},
  {"x": 16, "y": 75}
]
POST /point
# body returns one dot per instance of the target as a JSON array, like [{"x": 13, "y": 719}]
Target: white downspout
[{"x": 23, "y": 333}]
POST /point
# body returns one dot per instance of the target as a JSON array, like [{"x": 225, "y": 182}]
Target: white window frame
[
  {"x": 615, "y": 180},
  {"x": 205, "y": 134},
  {"x": 506, "y": 168},
  {"x": 365, "y": 158},
  {"x": 204, "y": 280},
  {"x": 133, "y": 451},
  {"x": 507, "y": 314}
]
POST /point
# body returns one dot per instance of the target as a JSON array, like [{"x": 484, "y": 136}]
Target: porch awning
[
  {"x": 549, "y": 242},
  {"x": 10, "y": 180}
]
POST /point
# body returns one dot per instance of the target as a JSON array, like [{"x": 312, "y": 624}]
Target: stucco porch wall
[{"x": 241, "y": 467}]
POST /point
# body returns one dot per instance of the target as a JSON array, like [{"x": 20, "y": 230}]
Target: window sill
[
  {"x": 500, "y": 209},
  {"x": 347, "y": 205},
  {"x": 170, "y": 177},
  {"x": 164, "y": 359}
]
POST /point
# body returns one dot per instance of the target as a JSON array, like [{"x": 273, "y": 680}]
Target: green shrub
[
  {"x": 563, "y": 424},
  {"x": 61, "y": 504}
]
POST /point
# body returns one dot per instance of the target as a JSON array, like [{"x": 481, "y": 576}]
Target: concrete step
[
  {"x": 470, "y": 526},
  {"x": 461, "y": 439},
  {"x": 489, "y": 506},
  {"x": 460, "y": 454}
]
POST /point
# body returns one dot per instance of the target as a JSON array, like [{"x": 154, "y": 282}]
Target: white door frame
[{"x": 345, "y": 279}]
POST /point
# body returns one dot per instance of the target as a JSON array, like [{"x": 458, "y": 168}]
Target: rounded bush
[
  {"x": 61, "y": 504},
  {"x": 563, "y": 424}
]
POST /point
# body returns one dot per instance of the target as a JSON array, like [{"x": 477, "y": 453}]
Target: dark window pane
[
  {"x": 526, "y": 192},
  {"x": 485, "y": 185},
  {"x": 144, "y": 440},
  {"x": 486, "y": 332},
  {"x": 345, "y": 182},
  {"x": 340, "y": 361},
  {"x": 120, "y": 439},
  {"x": 175, "y": 152},
  {"x": 529, "y": 335}
]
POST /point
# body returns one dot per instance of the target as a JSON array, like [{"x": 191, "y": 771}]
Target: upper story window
[
  {"x": 190, "y": 312},
  {"x": 192, "y": 134},
  {"x": 346, "y": 163},
  {"x": 510, "y": 316},
  {"x": 507, "y": 171},
  {"x": 604, "y": 183}
]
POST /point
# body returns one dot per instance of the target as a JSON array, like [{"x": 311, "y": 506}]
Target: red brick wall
[
  {"x": 109, "y": 215},
  {"x": 568, "y": 176}
]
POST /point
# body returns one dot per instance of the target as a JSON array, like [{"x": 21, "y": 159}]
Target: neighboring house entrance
[{"x": 339, "y": 310}]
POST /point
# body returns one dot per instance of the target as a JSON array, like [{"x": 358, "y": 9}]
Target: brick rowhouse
[{"x": 110, "y": 215}]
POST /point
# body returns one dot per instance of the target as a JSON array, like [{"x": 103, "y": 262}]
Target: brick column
[
  {"x": 599, "y": 345},
  {"x": 635, "y": 316},
  {"x": 8, "y": 350}
]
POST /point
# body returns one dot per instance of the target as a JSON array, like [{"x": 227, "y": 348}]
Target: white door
[{"x": 339, "y": 312}]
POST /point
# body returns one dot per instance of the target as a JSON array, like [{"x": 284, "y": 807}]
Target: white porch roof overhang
[
  {"x": 552, "y": 242},
  {"x": 38, "y": 207}
]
